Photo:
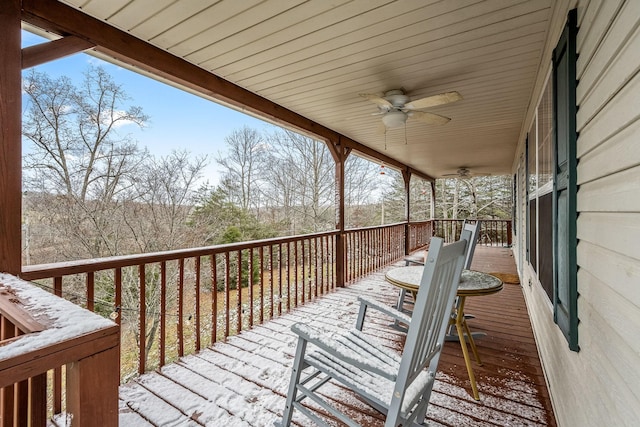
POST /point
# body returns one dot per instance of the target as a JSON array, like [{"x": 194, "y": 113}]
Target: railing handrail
[
  {"x": 373, "y": 227},
  {"x": 12, "y": 308},
  {"x": 65, "y": 268}
]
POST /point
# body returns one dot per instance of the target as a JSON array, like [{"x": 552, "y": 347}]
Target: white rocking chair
[{"x": 397, "y": 386}]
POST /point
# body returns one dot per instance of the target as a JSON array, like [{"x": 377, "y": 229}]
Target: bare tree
[
  {"x": 361, "y": 180},
  {"x": 93, "y": 193},
  {"x": 162, "y": 199},
  {"x": 420, "y": 199},
  {"x": 303, "y": 172},
  {"x": 78, "y": 155},
  {"x": 245, "y": 150},
  {"x": 477, "y": 197}
]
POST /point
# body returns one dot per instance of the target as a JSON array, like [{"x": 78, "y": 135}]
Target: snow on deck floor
[{"x": 243, "y": 382}]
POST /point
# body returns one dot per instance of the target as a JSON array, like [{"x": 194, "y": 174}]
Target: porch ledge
[{"x": 57, "y": 331}]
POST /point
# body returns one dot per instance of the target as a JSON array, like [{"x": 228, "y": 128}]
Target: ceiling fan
[
  {"x": 396, "y": 107},
  {"x": 464, "y": 172}
]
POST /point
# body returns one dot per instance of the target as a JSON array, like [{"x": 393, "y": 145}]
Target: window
[
  {"x": 540, "y": 190},
  {"x": 551, "y": 187}
]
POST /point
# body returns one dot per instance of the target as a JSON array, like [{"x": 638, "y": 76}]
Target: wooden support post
[
  {"x": 340, "y": 154},
  {"x": 433, "y": 200},
  {"x": 10, "y": 137},
  {"x": 92, "y": 389},
  {"x": 406, "y": 176}
]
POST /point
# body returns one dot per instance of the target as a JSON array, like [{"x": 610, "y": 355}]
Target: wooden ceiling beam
[
  {"x": 55, "y": 49},
  {"x": 64, "y": 20}
]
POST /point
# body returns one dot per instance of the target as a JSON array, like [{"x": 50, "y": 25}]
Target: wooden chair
[{"x": 398, "y": 386}]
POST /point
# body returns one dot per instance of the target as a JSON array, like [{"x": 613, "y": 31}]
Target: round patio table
[{"x": 472, "y": 283}]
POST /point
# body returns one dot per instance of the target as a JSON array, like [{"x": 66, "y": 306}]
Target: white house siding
[{"x": 600, "y": 384}]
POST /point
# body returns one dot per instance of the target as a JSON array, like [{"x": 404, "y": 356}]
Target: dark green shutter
[{"x": 565, "y": 283}]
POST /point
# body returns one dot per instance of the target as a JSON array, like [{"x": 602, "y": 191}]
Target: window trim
[{"x": 565, "y": 185}]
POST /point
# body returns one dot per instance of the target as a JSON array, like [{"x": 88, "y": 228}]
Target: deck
[{"x": 243, "y": 381}]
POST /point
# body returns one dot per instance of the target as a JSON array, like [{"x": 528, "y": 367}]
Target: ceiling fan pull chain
[
  {"x": 405, "y": 133},
  {"x": 385, "y": 139}
]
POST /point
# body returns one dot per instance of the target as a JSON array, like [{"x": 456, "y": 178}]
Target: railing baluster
[
  {"x": 22, "y": 401},
  {"x": 197, "y": 292},
  {"x": 214, "y": 299},
  {"x": 163, "y": 311},
  {"x": 57, "y": 372},
  {"x": 280, "y": 278},
  {"x": 296, "y": 289},
  {"x": 239, "y": 289},
  {"x": 325, "y": 263},
  {"x": 271, "y": 281},
  {"x": 90, "y": 291},
  {"x": 348, "y": 253},
  {"x": 250, "y": 280},
  {"x": 227, "y": 302},
  {"x": 118, "y": 297},
  {"x": 322, "y": 283},
  {"x": 288, "y": 276},
  {"x": 331, "y": 256},
  {"x": 315, "y": 266},
  {"x": 7, "y": 404},
  {"x": 38, "y": 399},
  {"x": 304, "y": 277},
  {"x": 143, "y": 320},
  {"x": 180, "y": 307},
  {"x": 357, "y": 256},
  {"x": 261, "y": 269},
  {"x": 370, "y": 250}
]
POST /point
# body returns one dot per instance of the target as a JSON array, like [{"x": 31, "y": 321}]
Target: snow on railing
[{"x": 42, "y": 333}]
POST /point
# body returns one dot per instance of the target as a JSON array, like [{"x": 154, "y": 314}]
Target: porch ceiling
[{"x": 315, "y": 57}]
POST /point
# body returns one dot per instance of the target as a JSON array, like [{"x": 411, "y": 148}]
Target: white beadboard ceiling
[{"x": 314, "y": 57}]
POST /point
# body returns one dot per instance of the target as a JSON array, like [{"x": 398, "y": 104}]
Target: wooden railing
[
  {"x": 170, "y": 304},
  {"x": 39, "y": 335},
  {"x": 174, "y": 303},
  {"x": 419, "y": 234},
  {"x": 493, "y": 232},
  {"x": 368, "y": 249}
]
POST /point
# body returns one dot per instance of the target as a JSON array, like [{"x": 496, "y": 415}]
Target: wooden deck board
[{"x": 243, "y": 382}]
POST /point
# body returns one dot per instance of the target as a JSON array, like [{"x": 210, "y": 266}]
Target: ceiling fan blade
[
  {"x": 377, "y": 99},
  {"x": 429, "y": 118},
  {"x": 432, "y": 101}
]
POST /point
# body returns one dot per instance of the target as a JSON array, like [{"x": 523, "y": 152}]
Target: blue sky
[{"x": 178, "y": 120}]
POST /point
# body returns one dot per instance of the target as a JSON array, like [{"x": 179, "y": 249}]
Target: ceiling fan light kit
[{"x": 394, "y": 119}]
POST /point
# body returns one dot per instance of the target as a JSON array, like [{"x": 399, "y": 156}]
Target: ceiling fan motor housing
[{"x": 397, "y": 98}]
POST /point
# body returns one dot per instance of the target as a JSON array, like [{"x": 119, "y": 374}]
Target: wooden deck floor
[{"x": 243, "y": 382}]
